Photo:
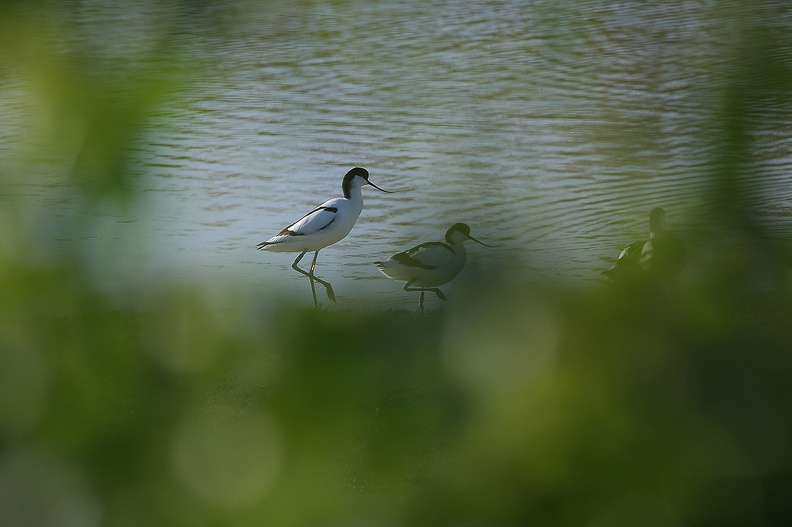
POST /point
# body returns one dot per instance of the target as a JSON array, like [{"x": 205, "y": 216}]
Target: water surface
[{"x": 550, "y": 128}]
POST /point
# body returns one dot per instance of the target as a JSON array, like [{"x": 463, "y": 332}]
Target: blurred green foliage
[{"x": 525, "y": 407}]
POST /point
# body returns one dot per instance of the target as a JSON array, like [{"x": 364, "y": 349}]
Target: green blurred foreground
[
  {"x": 523, "y": 407},
  {"x": 599, "y": 409}
]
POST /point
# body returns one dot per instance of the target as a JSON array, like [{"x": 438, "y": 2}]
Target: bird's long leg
[
  {"x": 422, "y": 290},
  {"x": 309, "y": 275},
  {"x": 296, "y": 261},
  {"x": 328, "y": 287},
  {"x": 421, "y": 298},
  {"x": 434, "y": 290}
]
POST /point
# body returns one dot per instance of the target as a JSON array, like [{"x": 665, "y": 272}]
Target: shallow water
[{"x": 550, "y": 128}]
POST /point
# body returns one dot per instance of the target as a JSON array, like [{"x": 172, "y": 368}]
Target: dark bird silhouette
[
  {"x": 430, "y": 264},
  {"x": 658, "y": 259}
]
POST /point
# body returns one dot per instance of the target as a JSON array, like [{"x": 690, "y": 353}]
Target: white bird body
[
  {"x": 327, "y": 224},
  {"x": 430, "y": 264}
]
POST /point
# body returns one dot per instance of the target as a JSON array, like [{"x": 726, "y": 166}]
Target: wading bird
[
  {"x": 659, "y": 258},
  {"x": 327, "y": 224},
  {"x": 430, "y": 264}
]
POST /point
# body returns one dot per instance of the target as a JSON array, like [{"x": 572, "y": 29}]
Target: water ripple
[{"x": 552, "y": 129}]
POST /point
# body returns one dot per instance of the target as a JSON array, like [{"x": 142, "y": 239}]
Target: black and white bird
[
  {"x": 659, "y": 258},
  {"x": 327, "y": 224},
  {"x": 431, "y": 264}
]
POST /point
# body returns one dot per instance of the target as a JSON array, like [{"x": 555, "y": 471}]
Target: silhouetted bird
[
  {"x": 430, "y": 264},
  {"x": 658, "y": 259}
]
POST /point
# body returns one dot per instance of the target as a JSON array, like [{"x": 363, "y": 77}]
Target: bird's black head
[
  {"x": 357, "y": 171},
  {"x": 463, "y": 229},
  {"x": 457, "y": 227},
  {"x": 349, "y": 179},
  {"x": 346, "y": 186},
  {"x": 657, "y": 219}
]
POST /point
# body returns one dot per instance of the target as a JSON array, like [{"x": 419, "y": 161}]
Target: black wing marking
[
  {"x": 412, "y": 257},
  {"x": 289, "y": 232}
]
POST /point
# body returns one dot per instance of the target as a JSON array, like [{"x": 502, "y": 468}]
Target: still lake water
[{"x": 550, "y": 128}]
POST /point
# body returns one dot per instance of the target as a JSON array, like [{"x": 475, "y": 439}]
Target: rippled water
[{"x": 550, "y": 128}]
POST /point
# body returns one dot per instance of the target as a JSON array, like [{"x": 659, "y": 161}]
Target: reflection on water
[{"x": 550, "y": 128}]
